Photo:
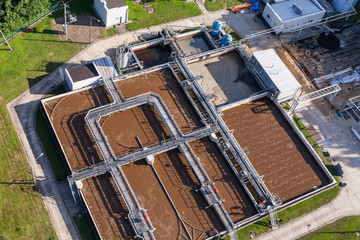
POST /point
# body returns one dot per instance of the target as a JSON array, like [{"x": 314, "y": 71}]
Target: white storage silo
[{"x": 343, "y": 5}]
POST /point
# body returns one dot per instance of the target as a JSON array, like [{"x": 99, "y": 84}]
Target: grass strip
[
  {"x": 221, "y": 4},
  {"x": 85, "y": 229},
  {"x": 346, "y": 228},
  {"x": 164, "y": 11}
]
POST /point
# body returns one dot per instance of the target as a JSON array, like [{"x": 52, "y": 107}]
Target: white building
[
  {"x": 291, "y": 15},
  {"x": 89, "y": 74},
  {"x": 112, "y": 12},
  {"x": 275, "y": 74}
]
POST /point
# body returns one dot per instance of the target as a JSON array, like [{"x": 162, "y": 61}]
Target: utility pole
[
  {"x": 230, "y": 15},
  {"x": 7, "y": 42},
  {"x": 65, "y": 23},
  {"x": 32, "y": 170},
  {"x": 91, "y": 17}
]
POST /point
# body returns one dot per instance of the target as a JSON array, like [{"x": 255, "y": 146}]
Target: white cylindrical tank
[
  {"x": 343, "y": 5},
  {"x": 124, "y": 60}
]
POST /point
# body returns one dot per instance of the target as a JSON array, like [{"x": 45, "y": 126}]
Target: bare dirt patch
[{"x": 78, "y": 31}]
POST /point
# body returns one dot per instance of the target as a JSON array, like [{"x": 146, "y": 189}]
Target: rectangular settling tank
[{"x": 274, "y": 149}]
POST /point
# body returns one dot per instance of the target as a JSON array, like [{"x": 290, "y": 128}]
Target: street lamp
[
  {"x": 32, "y": 170},
  {"x": 91, "y": 17},
  {"x": 65, "y": 22}
]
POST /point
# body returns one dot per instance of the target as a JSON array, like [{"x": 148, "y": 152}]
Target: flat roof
[
  {"x": 275, "y": 68},
  {"x": 105, "y": 67},
  {"x": 285, "y": 10},
  {"x": 83, "y": 72},
  {"x": 115, "y": 3}
]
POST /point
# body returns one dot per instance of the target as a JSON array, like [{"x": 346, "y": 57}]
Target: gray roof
[
  {"x": 285, "y": 10},
  {"x": 115, "y": 3},
  {"x": 82, "y": 72},
  {"x": 105, "y": 67},
  {"x": 275, "y": 68}
]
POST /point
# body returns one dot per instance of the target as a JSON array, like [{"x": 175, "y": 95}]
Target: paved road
[{"x": 343, "y": 148}]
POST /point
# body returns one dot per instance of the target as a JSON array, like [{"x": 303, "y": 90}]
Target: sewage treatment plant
[{"x": 186, "y": 140}]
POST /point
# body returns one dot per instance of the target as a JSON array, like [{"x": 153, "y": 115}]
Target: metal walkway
[
  {"x": 241, "y": 159},
  {"x": 331, "y": 90},
  {"x": 207, "y": 188},
  {"x": 161, "y": 147},
  {"x": 112, "y": 89},
  {"x": 214, "y": 124},
  {"x": 137, "y": 216},
  {"x": 320, "y": 93},
  {"x": 93, "y": 116}
]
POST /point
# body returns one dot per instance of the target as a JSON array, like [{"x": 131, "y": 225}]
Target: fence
[{"x": 29, "y": 23}]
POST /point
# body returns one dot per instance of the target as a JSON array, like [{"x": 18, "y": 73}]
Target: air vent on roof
[{"x": 298, "y": 9}]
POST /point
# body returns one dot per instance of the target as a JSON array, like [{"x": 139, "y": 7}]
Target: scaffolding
[
  {"x": 353, "y": 104},
  {"x": 330, "y": 91}
]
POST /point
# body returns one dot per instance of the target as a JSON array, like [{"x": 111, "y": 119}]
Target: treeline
[{"x": 15, "y": 13}]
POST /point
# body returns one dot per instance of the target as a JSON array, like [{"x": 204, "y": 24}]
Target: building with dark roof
[{"x": 89, "y": 74}]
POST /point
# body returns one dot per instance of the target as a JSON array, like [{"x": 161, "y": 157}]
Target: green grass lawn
[
  {"x": 85, "y": 229},
  {"x": 342, "y": 229},
  {"x": 108, "y": 32},
  {"x": 221, "y": 4},
  {"x": 37, "y": 53},
  {"x": 164, "y": 11}
]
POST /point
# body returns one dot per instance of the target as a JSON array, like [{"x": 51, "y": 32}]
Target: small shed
[
  {"x": 275, "y": 74},
  {"x": 291, "y": 15},
  {"x": 89, "y": 74},
  {"x": 112, "y": 12}
]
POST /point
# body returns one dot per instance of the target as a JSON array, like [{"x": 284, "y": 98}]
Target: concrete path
[
  {"x": 201, "y": 5},
  {"x": 23, "y": 114},
  {"x": 343, "y": 148}
]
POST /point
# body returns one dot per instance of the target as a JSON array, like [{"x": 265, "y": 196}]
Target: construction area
[
  {"x": 188, "y": 142},
  {"x": 331, "y": 58}
]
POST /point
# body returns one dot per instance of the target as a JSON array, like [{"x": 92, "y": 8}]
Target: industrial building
[
  {"x": 281, "y": 81},
  {"x": 89, "y": 74},
  {"x": 155, "y": 153},
  {"x": 291, "y": 15},
  {"x": 112, "y": 12}
]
